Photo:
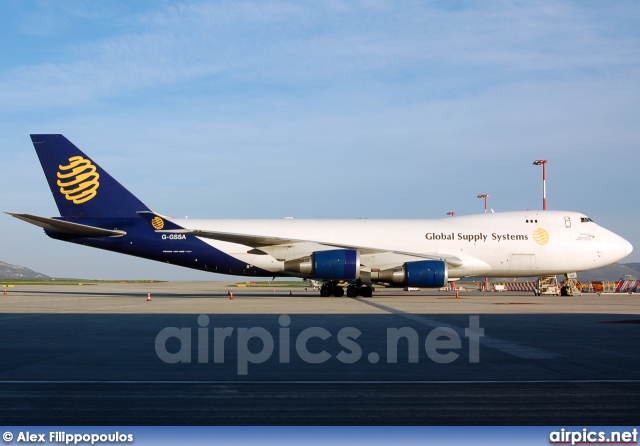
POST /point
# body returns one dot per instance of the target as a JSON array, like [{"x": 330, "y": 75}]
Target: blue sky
[{"x": 332, "y": 109}]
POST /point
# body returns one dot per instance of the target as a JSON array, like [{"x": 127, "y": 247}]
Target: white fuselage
[{"x": 523, "y": 243}]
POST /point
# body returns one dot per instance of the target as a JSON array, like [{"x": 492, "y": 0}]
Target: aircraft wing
[
  {"x": 66, "y": 227},
  {"x": 255, "y": 241},
  {"x": 261, "y": 242}
]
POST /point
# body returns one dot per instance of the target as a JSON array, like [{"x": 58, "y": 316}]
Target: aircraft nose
[
  {"x": 620, "y": 248},
  {"x": 615, "y": 247}
]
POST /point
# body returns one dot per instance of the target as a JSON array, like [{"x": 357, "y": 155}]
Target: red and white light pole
[
  {"x": 485, "y": 201},
  {"x": 543, "y": 163},
  {"x": 486, "y": 279}
]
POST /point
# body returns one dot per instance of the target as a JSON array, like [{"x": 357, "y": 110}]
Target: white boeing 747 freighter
[{"x": 97, "y": 211}]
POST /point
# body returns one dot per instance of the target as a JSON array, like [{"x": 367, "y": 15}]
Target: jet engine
[
  {"x": 423, "y": 273},
  {"x": 335, "y": 264}
]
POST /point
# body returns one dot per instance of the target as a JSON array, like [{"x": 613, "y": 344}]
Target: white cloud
[
  {"x": 322, "y": 46},
  {"x": 265, "y": 109}
]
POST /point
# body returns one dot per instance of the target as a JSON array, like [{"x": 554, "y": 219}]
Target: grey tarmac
[{"x": 88, "y": 355}]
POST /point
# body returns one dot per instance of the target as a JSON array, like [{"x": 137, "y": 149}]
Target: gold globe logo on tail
[
  {"x": 79, "y": 180},
  {"x": 540, "y": 236},
  {"x": 157, "y": 223}
]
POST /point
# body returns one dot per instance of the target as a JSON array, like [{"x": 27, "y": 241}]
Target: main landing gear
[
  {"x": 332, "y": 288},
  {"x": 329, "y": 288}
]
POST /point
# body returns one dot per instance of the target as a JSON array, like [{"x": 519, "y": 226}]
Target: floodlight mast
[
  {"x": 543, "y": 163},
  {"x": 486, "y": 279},
  {"x": 485, "y": 201}
]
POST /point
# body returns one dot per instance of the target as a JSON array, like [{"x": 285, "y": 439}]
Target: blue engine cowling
[
  {"x": 335, "y": 264},
  {"x": 426, "y": 274},
  {"x": 420, "y": 274}
]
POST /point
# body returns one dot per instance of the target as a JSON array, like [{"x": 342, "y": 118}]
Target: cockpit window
[{"x": 585, "y": 220}]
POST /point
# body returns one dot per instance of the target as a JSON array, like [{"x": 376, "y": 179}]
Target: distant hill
[
  {"x": 611, "y": 273},
  {"x": 8, "y": 271},
  {"x": 635, "y": 266}
]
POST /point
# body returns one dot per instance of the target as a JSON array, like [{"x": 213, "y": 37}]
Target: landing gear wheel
[
  {"x": 338, "y": 291},
  {"x": 325, "y": 291},
  {"x": 366, "y": 291},
  {"x": 352, "y": 291}
]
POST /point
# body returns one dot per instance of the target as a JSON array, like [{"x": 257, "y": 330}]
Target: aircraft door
[{"x": 521, "y": 264}]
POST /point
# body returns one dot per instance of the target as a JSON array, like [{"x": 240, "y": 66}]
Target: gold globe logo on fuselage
[
  {"x": 79, "y": 180},
  {"x": 157, "y": 223},
  {"x": 540, "y": 236}
]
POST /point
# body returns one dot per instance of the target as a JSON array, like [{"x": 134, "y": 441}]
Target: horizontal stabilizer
[{"x": 65, "y": 227}]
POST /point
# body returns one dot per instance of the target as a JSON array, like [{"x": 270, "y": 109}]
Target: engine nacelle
[
  {"x": 336, "y": 264},
  {"x": 420, "y": 274}
]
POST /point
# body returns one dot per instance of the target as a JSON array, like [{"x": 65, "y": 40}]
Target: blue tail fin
[{"x": 81, "y": 188}]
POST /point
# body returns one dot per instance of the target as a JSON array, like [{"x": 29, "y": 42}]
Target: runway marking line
[
  {"x": 627, "y": 321},
  {"x": 223, "y": 382}
]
